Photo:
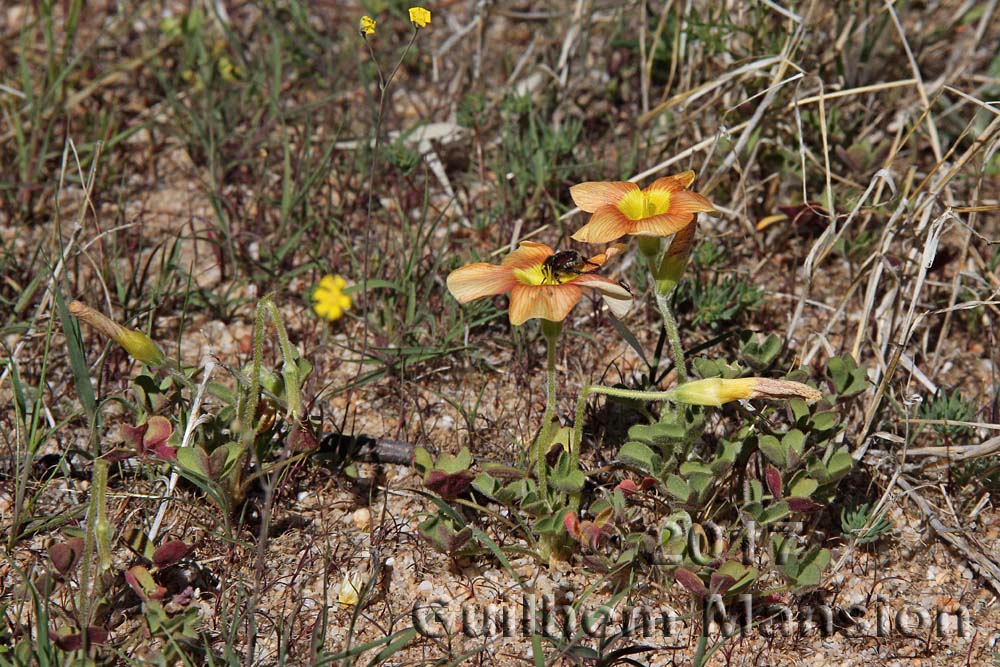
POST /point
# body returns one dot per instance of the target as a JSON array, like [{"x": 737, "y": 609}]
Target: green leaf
[
  {"x": 839, "y": 465},
  {"x": 422, "y": 461},
  {"x": 194, "y": 459},
  {"x": 847, "y": 378},
  {"x": 774, "y": 450},
  {"x": 641, "y": 456},
  {"x": 678, "y": 488},
  {"x": 811, "y": 568},
  {"x": 802, "y": 486},
  {"x": 486, "y": 484},
  {"x": 774, "y": 512},
  {"x": 570, "y": 481},
  {"x": 823, "y": 421},
  {"x": 800, "y": 409}
]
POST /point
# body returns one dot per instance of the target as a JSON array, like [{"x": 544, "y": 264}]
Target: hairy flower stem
[
  {"x": 673, "y": 335},
  {"x": 650, "y": 249},
  {"x": 551, "y": 332}
]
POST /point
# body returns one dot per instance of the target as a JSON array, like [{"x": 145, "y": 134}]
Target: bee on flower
[{"x": 542, "y": 283}]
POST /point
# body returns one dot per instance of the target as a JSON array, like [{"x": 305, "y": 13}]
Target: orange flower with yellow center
[
  {"x": 620, "y": 208},
  {"x": 542, "y": 283}
]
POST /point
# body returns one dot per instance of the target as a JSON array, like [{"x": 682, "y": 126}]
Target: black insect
[{"x": 565, "y": 265}]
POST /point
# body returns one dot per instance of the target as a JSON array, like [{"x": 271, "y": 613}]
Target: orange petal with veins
[
  {"x": 549, "y": 302},
  {"x": 592, "y": 195},
  {"x": 690, "y": 202},
  {"x": 673, "y": 183},
  {"x": 607, "y": 224},
  {"x": 475, "y": 281},
  {"x": 527, "y": 255},
  {"x": 664, "y": 224}
]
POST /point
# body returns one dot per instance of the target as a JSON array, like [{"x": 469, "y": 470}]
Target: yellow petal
[
  {"x": 606, "y": 225},
  {"x": 549, "y": 302},
  {"x": 592, "y": 195},
  {"x": 475, "y": 281}
]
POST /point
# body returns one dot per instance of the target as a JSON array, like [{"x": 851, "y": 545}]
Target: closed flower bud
[
  {"x": 137, "y": 344},
  {"x": 717, "y": 391}
]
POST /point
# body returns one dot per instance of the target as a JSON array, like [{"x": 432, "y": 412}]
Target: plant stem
[
  {"x": 649, "y": 247},
  {"x": 673, "y": 335},
  {"x": 551, "y": 332}
]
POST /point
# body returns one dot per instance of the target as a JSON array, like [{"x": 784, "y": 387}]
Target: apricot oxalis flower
[
  {"x": 420, "y": 17},
  {"x": 542, "y": 283},
  {"x": 620, "y": 208},
  {"x": 716, "y": 391}
]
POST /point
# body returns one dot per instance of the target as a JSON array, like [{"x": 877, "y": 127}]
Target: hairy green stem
[
  {"x": 673, "y": 335},
  {"x": 551, "y": 332}
]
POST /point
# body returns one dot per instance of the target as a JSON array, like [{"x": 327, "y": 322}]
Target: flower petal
[
  {"x": 664, "y": 224},
  {"x": 549, "y": 302},
  {"x": 592, "y": 195},
  {"x": 609, "y": 252},
  {"x": 617, "y": 296},
  {"x": 607, "y": 224},
  {"x": 475, "y": 281},
  {"x": 528, "y": 255},
  {"x": 681, "y": 181},
  {"x": 690, "y": 202}
]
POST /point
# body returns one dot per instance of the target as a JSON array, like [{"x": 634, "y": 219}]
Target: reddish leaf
[
  {"x": 170, "y": 553},
  {"x": 66, "y": 555},
  {"x": 449, "y": 485},
  {"x": 134, "y": 434},
  {"x": 627, "y": 487},
  {"x": 690, "y": 581},
  {"x": 721, "y": 583},
  {"x": 158, "y": 430},
  {"x": 302, "y": 439},
  {"x": 647, "y": 483},
  {"x": 803, "y": 504},
  {"x": 74, "y": 641},
  {"x": 572, "y": 524},
  {"x": 773, "y": 478}
]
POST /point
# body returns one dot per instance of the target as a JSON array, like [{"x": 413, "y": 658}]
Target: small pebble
[{"x": 362, "y": 518}]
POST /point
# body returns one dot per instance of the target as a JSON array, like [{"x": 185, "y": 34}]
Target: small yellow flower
[
  {"x": 367, "y": 25},
  {"x": 329, "y": 300},
  {"x": 420, "y": 17},
  {"x": 350, "y": 589}
]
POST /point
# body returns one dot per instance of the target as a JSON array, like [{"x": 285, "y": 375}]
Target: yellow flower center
[
  {"x": 540, "y": 274},
  {"x": 639, "y": 204}
]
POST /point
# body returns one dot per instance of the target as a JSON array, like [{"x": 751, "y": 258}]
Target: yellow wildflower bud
[
  {"x": 716, "y": 391},
  {"x": 420, "y": 17},
  {"x": 137, "y": 344},
  {"x": 367, "y": 26}
]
